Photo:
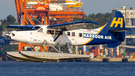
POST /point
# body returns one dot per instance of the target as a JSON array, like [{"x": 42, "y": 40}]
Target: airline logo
[
  {"x": 117, "y": 22},
  {"x": 88, "y": 35}
]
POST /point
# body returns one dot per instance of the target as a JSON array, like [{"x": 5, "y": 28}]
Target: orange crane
[{"x": 47, "y": 12}]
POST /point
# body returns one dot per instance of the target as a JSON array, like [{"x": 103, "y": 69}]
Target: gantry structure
[{"x": 47, "y": 12}]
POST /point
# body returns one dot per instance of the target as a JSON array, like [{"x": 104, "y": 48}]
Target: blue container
[{"x": 87, "y": 49}]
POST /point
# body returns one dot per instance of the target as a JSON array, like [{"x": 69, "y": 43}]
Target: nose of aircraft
[{"x": 7, "y": 34}]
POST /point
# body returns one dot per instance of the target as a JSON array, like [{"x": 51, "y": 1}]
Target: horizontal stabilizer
[{"x": 118, "y": 30}]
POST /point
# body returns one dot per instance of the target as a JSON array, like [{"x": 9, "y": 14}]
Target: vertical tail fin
[
  {"x": 116, "y": 23},
  {"x": 116, "y": 27}
]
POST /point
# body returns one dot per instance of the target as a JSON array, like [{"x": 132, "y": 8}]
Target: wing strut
[{"x": 46, "y": 43}]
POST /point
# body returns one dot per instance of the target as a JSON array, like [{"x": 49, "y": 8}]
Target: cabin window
[
  {"x": 68, "y": 33},
  {"x": 73, "y": 33},
  {"x": 80, "y": 34},
  {"x": 50, "y": 31}
]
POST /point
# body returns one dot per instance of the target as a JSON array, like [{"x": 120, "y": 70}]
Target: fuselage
[{"x": 74, "y": 37}]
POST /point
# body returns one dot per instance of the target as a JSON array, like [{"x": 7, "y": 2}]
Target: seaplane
[{"x": 69, "y": 33}]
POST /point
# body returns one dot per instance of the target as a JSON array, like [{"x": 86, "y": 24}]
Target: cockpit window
[
  {"x": 13, "y": 34},
  {"x": 50, "y": 31},
  {"x": 40, "y": 30}
]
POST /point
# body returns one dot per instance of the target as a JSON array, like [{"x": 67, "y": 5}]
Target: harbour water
[{"x": 13, "y": 68}]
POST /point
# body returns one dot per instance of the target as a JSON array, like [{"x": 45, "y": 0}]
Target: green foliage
[
  {"x": 101, "y": 18},
  {"x": 11, "y": 19},
  {"x": 3, "y": 27},
  {"x": 5, "y": 22}
]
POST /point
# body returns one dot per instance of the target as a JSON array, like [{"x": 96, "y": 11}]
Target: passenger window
[
  {"x": 68, "y": 33},
  {"x": 80, "y": 34},
  {"x": 73, "y": 33}
]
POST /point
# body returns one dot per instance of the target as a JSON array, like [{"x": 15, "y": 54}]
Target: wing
[
  {"x": 72, "y": 25},
  {"x": 23, "y": 27}
]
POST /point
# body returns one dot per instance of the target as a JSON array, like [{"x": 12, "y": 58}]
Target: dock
[{"x": 112, "y": 60}]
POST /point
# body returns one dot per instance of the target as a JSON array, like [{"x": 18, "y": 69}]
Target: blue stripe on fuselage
[{"x": 99, "y": 39}]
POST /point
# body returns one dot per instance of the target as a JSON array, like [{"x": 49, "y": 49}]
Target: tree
[
  {"x": 4, "y": 21},
  {"x": 11, "y": 19}
]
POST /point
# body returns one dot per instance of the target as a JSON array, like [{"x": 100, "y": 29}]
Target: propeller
[{"x": 7, "y": 33}]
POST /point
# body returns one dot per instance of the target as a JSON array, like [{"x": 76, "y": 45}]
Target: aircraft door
[
  {"x": 38, "y": 38},
  {"x": 73, "y": 36}
]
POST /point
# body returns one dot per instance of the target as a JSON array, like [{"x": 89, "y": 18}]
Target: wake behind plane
[{"x": 112, "y": 34}]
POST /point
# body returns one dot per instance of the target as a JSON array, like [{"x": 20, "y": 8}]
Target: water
[{"x": 13, "y": 68}]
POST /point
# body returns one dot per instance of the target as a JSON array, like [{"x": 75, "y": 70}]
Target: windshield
[{"x": 40, "y": 30}]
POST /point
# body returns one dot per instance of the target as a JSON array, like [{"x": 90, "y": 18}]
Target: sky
[{"x": 7, "y": 7}]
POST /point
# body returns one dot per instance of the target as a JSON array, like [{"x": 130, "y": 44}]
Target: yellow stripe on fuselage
[
  {"x": 100, "y": 29},
  {"x": 96, "y": 34}
]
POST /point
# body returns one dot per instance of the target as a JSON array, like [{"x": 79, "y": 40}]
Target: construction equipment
[{"x": 47, "y": 12}]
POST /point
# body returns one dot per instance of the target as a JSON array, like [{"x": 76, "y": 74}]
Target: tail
[
  {"x": 115, "y": 27},
  {"x": 117, "y": 22}
]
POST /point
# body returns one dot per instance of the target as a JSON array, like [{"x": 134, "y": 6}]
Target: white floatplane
[{"x": 112, "y": 34}]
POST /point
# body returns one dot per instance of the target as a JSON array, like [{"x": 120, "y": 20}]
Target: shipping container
[
  {"x": 96, "y": 50},
  {"x": 127, "y": 54},
  {"x": 101, "y": 51},
  {"x": 87, "y": 53},
  {"x": 133, "y": 53},
  {"x": 119, "y": 56},
  {"x": 93, "y": 50},
  {"x": 95, "y": 54},
  {"x": 87, "y": 49}
]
